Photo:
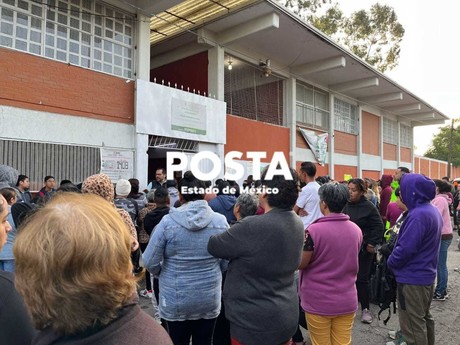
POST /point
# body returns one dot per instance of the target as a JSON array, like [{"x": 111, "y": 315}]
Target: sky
[{"x": 430, "y": 52}]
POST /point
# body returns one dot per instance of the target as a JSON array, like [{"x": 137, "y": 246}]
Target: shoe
[
  {"x": 366, "y": 316},
  {"x": 394, "y": 334},
  {"x": 146, "y": 293},
  {"x": 292, "y": 342},
  {"x": 399, "y": 341},
  {"x": 437, "y": 297}
]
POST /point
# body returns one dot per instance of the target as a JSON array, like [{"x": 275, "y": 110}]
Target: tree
[
  {"x": 374, "y": 35},
  {"x": 446, "y": 144}
]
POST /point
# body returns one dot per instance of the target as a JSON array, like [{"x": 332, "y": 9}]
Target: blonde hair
[{"x": 73, "y": 265}]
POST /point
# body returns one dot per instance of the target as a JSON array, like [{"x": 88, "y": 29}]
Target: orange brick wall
[
  {"x": 424, "y": 167},
  {"x": 406, "y": 154},
  {"x": 389, "y": 152},
  {"x": 371, "y": 134},
  {"x": 345, "y": 143},
  {"x": 389, "y": 172},
  {"x": 36, "y": 83},
  {"x": 341, "y": 170},
  {"x": 371, "y": 174},
  {"x": 248, "y": 135}
]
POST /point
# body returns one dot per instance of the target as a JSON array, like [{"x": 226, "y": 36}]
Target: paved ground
[{"x": 446, "y": 313}]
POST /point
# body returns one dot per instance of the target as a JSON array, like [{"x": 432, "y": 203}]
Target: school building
[{"x": 112, "y": 86}]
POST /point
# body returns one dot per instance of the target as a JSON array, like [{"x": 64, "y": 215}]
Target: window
[
  {"x": 312, "y": 106},
  {"x": 250, "y": 94},
  {"x": 81, "y": 32},
  {"x": 390, "y": 131},
  {"x": 406, "y": 136},
  {"x": 346, "y": 116}
]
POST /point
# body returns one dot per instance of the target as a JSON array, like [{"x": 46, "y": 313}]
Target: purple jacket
[
  {"x": 327, "y": 285},
  {"x": 415, "y": 256}
]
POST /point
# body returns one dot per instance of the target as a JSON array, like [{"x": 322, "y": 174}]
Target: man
[
  {"x": 22, "y": 186},
  {"x": 160, "y": 178},
  {"x": 307, "y": 205},
  {"x": 414, "y": 259},
  {"x": 122, "y": 190},
  {"x": 397, "y": 177},
  {"x": 48, "y": 190},
  {"x": 260, "y": 294}
]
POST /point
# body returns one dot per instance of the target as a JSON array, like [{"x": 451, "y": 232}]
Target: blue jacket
[
  {"x": 415, "y": 256},
  {"x": 224, "y": 204},
  {"x": 7, "y": 252},
  {"x": 190, "y": 278}
]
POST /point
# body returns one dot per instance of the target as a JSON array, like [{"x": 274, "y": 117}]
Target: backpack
[
  {"x": 382, "y": 284},
  {"x": 383, "y": 288}
]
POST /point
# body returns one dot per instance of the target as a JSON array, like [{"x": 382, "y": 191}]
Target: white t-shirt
[{"x": 309, "y": 200}]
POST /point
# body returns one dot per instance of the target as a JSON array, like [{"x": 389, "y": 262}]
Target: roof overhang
[{"x": 262, "y": 29}]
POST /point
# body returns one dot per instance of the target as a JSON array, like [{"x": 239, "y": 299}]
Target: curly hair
[{"x": 73, "y": 265}]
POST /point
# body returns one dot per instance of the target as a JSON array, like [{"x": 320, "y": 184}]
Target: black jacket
[
  {"x": 15, "y": 323},
  {"x": 364, "y": 214},
  {"x": 153, "y": 218}
]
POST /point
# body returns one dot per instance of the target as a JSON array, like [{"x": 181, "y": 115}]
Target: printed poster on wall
[
  {"x": 188, "y": 117},
  {"x": 117, "y": 164}
]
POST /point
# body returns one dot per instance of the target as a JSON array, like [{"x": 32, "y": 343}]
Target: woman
[
  {"x": 363, "y": 213},
  {"x": 144, "y": 240},
  {"x": 15, "y": 324},
  {"x": 442, "y": 202},
  {"x": 75, "y": 275},
  {"x": 101, "y": 185},
  {"x": 190, "y": 278},
  {"x": 395, "y": 209},
  {"x": 6, "y": 254},
  {"x": 328, "y": 270}
]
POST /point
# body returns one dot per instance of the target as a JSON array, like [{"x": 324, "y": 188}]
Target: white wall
[{"x": 31, "y": 125}]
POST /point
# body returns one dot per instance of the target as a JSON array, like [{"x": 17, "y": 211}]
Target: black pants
[
  {"x": 148, "y": 283},
  {"x": 362, "y": 281},
  {"x": 200, "y": 330}
]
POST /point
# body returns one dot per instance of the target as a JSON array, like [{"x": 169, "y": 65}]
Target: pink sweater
[
  {"x": 327, "y": 284},
  {"x": 441, "y": 202}
]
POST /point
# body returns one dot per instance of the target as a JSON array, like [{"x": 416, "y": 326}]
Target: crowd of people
[{"x": 222, "y": 269}]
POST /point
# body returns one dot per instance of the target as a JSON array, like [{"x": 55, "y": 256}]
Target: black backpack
[
  {"x": 382, "y": 288},
  {"x": 382, "y": 285}
]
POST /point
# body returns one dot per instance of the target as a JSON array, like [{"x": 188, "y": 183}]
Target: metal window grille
[
  {"x": 81, "y": 32},
  {"x": 406, "y": 136},
  {"x": 312, "y": 106},
  {"x": 37, "y": 160},
  {"x": 346, "y": 116},
  {"x": 252, "y": 95},
  {"x": 158, "y": 142},
  {"x": 390, "y": 131}
]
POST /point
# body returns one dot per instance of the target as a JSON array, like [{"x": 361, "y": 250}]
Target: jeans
[
  {"x": 443, "y": 274},
  {"x": 200, "y": 330},
  {"x": 362, "y": 280},
  {"x": 7, "y": 265}
]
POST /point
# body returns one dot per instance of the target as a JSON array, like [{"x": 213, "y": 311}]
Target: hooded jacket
[
  {"x": 224, "y": 204},
  {"x": 190, "y": 278},
  {"x": 415, "y": 256},
  {"x": 442, "y": 202},
  {"x": 385, "y": 195}
]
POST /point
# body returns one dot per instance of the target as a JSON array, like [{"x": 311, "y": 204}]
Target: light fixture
[
  {"x": 266, "y": 70},
  {"x": 229, "y": 66}
]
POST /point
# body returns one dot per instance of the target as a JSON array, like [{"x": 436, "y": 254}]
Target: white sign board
[
  {"x": 117, "y": 164},
  {"x": 169, "y": 112}
]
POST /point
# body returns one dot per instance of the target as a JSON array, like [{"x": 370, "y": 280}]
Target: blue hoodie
[{"x": 415, "y": 257}]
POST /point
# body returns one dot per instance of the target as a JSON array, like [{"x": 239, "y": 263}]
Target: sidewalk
[{"x": 446, "y": 313}]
